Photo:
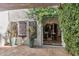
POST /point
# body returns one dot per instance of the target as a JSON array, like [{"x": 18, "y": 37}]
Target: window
[{"x": 22, "y": 28}]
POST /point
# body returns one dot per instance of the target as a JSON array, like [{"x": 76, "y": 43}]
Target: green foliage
[
  {"x": 42, "y": 13},
  {"x": 69, "y": 23}
]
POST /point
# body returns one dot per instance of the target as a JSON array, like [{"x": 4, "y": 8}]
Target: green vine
[
  {"x": 69, "y": 23},
  {"x": 42, "y": 13}
]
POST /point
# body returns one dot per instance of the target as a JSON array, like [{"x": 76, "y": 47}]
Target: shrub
[{"x": 69, "y": 23}]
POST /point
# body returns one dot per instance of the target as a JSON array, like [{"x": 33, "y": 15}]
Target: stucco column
[
  {"x": 39, "y": 34},
  {"x": 27, "y": 32}
]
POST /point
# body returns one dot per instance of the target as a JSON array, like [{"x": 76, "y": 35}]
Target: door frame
[{"x": 62, "y": 39}]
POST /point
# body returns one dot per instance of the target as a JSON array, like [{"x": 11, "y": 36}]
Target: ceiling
[{"x": 12, "y": 6}]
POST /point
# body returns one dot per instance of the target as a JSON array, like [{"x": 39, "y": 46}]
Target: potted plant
[
  {"x": 13, "y": 35},
  {"x": 2, "y": 40},
  {"x": 30, "y": 36},
  {"x": 13, "y": 39}
]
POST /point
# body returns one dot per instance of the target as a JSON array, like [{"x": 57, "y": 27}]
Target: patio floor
[{"x": 27, "y": 51}]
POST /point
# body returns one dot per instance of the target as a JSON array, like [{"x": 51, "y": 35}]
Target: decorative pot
[
  {"x": 13, "y": 41},
  {"x": 2, "y": 42}
]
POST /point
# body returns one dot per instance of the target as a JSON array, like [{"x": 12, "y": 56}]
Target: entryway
[{"x": 51, "y": 33}]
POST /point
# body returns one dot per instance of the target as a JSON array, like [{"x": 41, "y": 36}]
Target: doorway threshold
[{"x": 50, "y": 46}]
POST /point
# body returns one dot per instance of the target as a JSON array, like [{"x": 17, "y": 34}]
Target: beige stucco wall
[
  {"x": 18, "y": 15},
  {"x": 21, "y": 15}
]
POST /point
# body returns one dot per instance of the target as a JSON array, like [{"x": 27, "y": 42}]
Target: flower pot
[
  {"x": 32, "y": 42},
  {"x": 13, "y": 41},
  {"x": 2, "y": 42}
]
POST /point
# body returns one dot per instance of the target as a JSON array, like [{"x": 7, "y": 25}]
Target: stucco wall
[
  {"x": 21, "y": 15},
  {"x": 18, "y": 15}
]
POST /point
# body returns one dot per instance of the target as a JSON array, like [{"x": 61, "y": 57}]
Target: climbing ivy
[
  {"x": 69, "y": 23},
  {"x": 68, "y": 20},
  {"x": 42, "y": 13}
]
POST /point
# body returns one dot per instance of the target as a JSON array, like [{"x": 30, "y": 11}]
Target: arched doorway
[{"x": 51, "y": 33}]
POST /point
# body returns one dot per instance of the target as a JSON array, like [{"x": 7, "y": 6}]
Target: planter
[
  {"x": 2, "y": 42},
  {"x": 32, "y": 43},
  {"x": 13, "y": 41},
  {"x": 19, "y": 41}
]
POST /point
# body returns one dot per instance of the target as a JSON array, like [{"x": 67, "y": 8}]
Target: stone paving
[{"x": 27, "y": 51}]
